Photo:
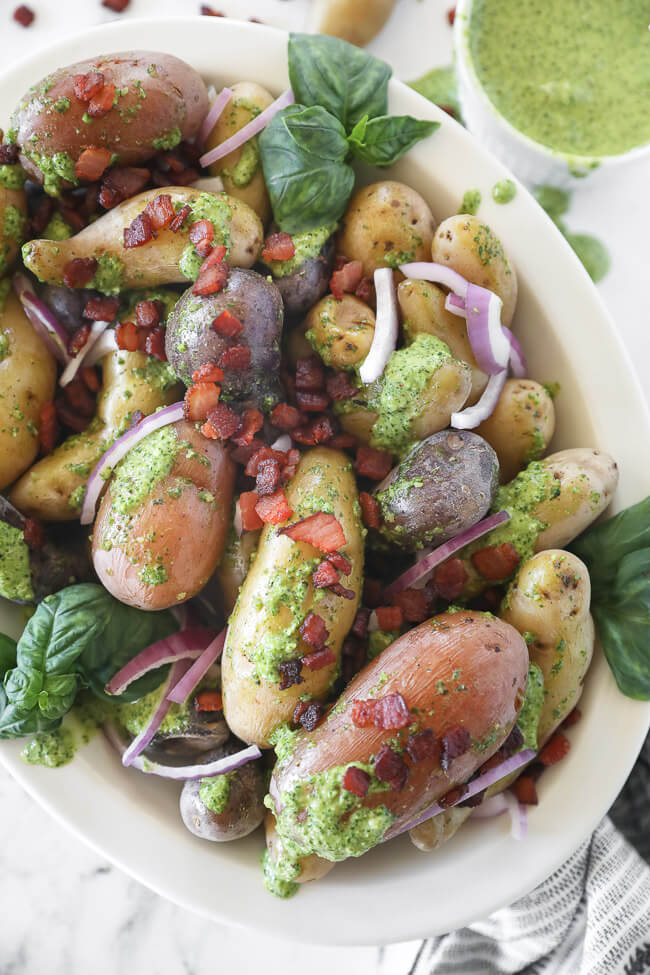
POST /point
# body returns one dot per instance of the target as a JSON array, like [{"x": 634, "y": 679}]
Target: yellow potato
[
  {"x": 311, "y": 867},
  {"x": 277, "y": 596},
  {"x": 341, "y": 331},
  {"x": 240, "y": 170},
  {"x": 521, "y": 426},
  {"x": 13, "y": 219},
  {"x": 472, "y": 249},
  {"x": 27, "y": 380},
  {"x": 356, "y": 21}
]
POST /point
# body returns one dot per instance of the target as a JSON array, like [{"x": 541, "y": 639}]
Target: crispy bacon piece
[
  {"x": 212, "y": 275},
  {"x": 146, "y": 314},
  {"x": 451, "y": 16},
  {"x": 391, "y": 767},
  {"x": 310, "y": 375},
  {"x": 496, "y": 562},
  {"x": 79, "y": 272},
  {"x": 200, "y": 399},
  {"x": 389, "y": 617},
  {"x": 414, "y": 604},
  {"x": 555, "y": 749},
  {"x": 343, "y": 441},
  {"x": 154, "y": 343},
  {"x": 572, "y": 718},
  {"x": 375, "y": 464},
  {"x": 117, "y": 6},
  {"x": 9, "y": 155},
  {"x": 290, "y": 673},
  {"x": 314, "y": 631},
  {"x": 180, "y": 218},
  {"x": 78, "y": 397},
  {"x": 360, "y": 625},
  {"x": 262, "y": 454},
  {"x": 365, "y": 291},
  {"x": 269, "y": 476},
  {"x": 525, "y": 790},
  {"x": 422, "y": 746},
  {"x": 78, "y": 339},
  {"x": 340, "y": 562},
  {"x": 227, "y": 325},
  {"x": 33, "y": 533},
  {"x": 47, "y": 427},
  {"x": 312, "y": 402},
  {"x": 101, "y": 103},
  {"x": 449, "y": 579},
  {"x": 346, "y": 278},
  {"x": 370, "y": 510},
  {"x": 451, "y": 798},
  {"x": 319, "y": 659},
  {"x": 91, "y": 163},
  {"x": 320, "y": 430},
  {"x": 338, "y": 590},
  {"x": 454, "y": 742},
  {"x": 120, "y": 184},
  {"x": 101, "y": 309},
  {"x": 339, "y": 387},
  {"x": 208, "y": 701},
  {"x": 310, "y": 715},
  {"x": 90, "y": 378},
  {"x": 139, "y": 232},
  {"x": 250, "y": 520},
  {"x": 126, "y": 335},
  {"x": 161, "y": 211},
  {"x": 357, "y": 781},
  {"x": 286, "y": 417},
  {"x": 388, "y": 713},
  {"x": 209, "y": 372},
  {"x": 250, "y": 423},
  {"x": 221, "y": 423},
  {"x": 278, "y": 247},
  {"x": 24, "y": 15},
  {"x": 237, "y": 358},
  {"x": 321, "y": 530},
  {"x": 325, "y": 576},
  {"x": 274, "y": 509}
]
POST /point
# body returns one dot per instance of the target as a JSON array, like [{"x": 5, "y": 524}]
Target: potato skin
[
  {"x": 312, "y": 867},
  {"x": 48, "y": 489},
  {"x": 341, "y": 331},
  {"x": 356, "y": 21},
  {"x": 386, "y": 224},
  {"x": 13, "y": 221},
  {"x": 253, "y": 708},
  {"x": 492, "y": 659},
  {"x": 587, "y": 478},
  {"x": 27, "y": 380},
  {"x": 186, "y": 533},
  {"x": 471, "y": 248},
  {"x": 302, "y": 288},
  {"x": 439, "y": 829},
  {"x": 244, "y": 810},
  {"x": 521, "y": 426},
  {"x": 233, "y": 567},
  {"x": 164, "y": 101},
  {"x": 443, "y": 486}
]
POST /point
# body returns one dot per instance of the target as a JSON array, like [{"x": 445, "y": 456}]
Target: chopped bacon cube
[
  {"x": 251, "y": 422},
  {"x": 120, "y": 184},
  {"x": 155, "y": 343},
  {"x": 343, "y": 441},
  {"x": 78, "y": 397},
  {"x": 227, "y": 325},
  {"x": 354, "y": 657},
  {"x": 363, "y": 713},
  {"x": 414, "y": 604},
  {"x": 325, "y": 576},
  {"x": 90, "y": 378},
  {"x": 211, "y": 280},
  {"x": 370, "y": 510},
  {"x": 24, "y": 15},
  {"x": 319, "y": 659},
  {"x": 208, "y": 701},
  {"x": 286, "y": 417},
  {"x": 274, "y": 509},
  {"x": 180, "y": 218},
  {"x": 321, "y": 530},
  {"x": 339, "y": 387},
  {"x": 555, "y": 749},
  {"x": 312, "y": 402},
  {"x": 314, "y": 631},
  {"x": 268, "y": 477},
  {"x": 372, "y": 463},
  {"x": 392, "y": 712},
  {"x": 147, "y": 314},
  {"x": 391, "y": 767},
  {"x": 78, "y": 339},
  {"x": 340, "y": 562},
  {"x": 422, "y": 746},
  {"x": 250, "y": 520},
  {"x": 139, "y": 232},
  {"x": 452, "y": 797},
  {"x": 33, "y": 533},
  {"x": 91, "y": 163},
  {"x": 101, "y": 309},
  {"x": 496, "y": 562},
  {"x": 389, "y": 617},
  {"x": 278, "y": 247},
  {"x": 237, "y": 357},
  {"x": 290, "y": 673},
  {"x": 320, "y": 430},
  {"x": 47, "y": 427},
  {"x": 338, "y": 590},
  {"x": 202, "y": 230},
  {"x": 357, "y": 781},
  {"x": 346, "y": 278},
  {"x": 365, "y": 291},
  {"x": 264, "y": 453},
  {"x": 310, "y": 375},
  {"x": 526, "y": 791},
  {"x": 572, "y": 718},
  {"x": 200, "y": 399},
  {"x": 360, "y": 625},
  {"x": 160, "y": 211},
  {"x": 310, "y": 715},
  {"x": 79, "y": 272},
  {"x": 455, "y": 742},
  {"x": 101, "y": 103},
  {"x": 221, "y": 422},
  {"x": 126, "y": 335},
  {"x": 449, "y": 579},
  {"x": 209, "y": 372},
  {"x": 244, "y": 451}
]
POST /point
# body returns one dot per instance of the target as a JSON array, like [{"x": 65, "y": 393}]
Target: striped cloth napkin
[{"x": 592, "y": 917}]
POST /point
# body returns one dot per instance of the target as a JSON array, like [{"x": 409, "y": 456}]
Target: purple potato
[{"x": 306, "y": 285}]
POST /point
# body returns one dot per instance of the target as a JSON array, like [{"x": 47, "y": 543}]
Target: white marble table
[{"x": 63, "y": 909}]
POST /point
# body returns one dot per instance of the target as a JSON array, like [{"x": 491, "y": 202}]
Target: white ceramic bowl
[
  {"x": 531, "y": 161},
  {"x": 395, "y": 892}
]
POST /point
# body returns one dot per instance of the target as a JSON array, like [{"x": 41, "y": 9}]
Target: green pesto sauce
[
  {"x": 153, "y": 574},
  {"x": 591, "y": 251},
  {"x": 143, "y": 468},
  {"x": 519, "y": 498},
  {"x": 136, "y": 715},
  {"x": 168, "y": 140},
  {"x": 471, "y": 202},
  {"x": 398, "y": 396},
  {"x": 215, "y": 792},
  {"x": 247, "y": 164},
  {"x": 76, "y": 497},
  {"x": 189, "y": 262},
  {"x": 283, "y": 739},
  {"x": 308, "y": 244},
  {"x": 440, "y": 87},
  {"x": 13, "y": 223},
  {"x": 378, "y": 640},
  {"x": 279, "y": 877},
  {"x": 109, "y": 274},
  {"x": 337, "y": 825},
  {"x": 212, "y": 207},
  {"x": 56, "y": 168},
  {"x": 12, "y": 176},
  {"x": 156, "y": 373},
  {"x": 57, "y": 228},
  {"x": 51, "y": 748},
  {"x": 586, "y": 90},
  {"x": 531, "y": 709},
  {"x": 504, "y": 191},
  {"x": 15, "y": 574}
]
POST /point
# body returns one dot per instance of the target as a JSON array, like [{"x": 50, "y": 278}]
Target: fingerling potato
[
  {"x": 234, "y": 565},
  {"x": 521, "y": 426},
  {"x": 282, "y": 872},
  {"x": 340, "y": 331}
]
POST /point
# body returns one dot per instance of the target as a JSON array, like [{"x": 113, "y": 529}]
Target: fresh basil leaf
[
  {"x": 386, "y": 139},
  {"x": 358, "y": 134},
  {"x": 604, "y": 545},
  {"x": 303, "y": 152},
  {"x": 17, "y": 723},
  {"x": 58, "y": 694},
  {"x": 344, "y": 79}
]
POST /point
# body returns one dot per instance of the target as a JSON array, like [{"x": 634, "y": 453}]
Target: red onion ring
[
  {"x": 455, "y": 305},
  {"x": 384, "y": 340},
  {"x": 104, "y": 345},
  {"x": 517, "y": 357},
  {"x": 248, "y": 131},
  {"x": 142, "y": 739},
  {"x": 443, "y": 552},
  {"x": 489, "y": 808},
  {"x": 96, "y": 330},
  {"x": 119, "y": 449},
  {"x": 489, "y": 342},
  {"x": 187, "y": 644},
  {"x": 471, "y": 416},
  {"x": 46, "y": 325},
  {"x": 181, "y": 690},
  {"x": 216, "y": 110}
]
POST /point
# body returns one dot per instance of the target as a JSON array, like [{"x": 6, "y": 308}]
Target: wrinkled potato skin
[
  {"x": 422, "y": 307},
  {"x": 186, "y": 534},
  {"x": 246, "y": 96},
  {"x": 10, "y": 245},
  {"x": 233, "y": 568},
  {"x": 171, "y": 95},
  {"x": 254, "y": 709},
  {"x": 550, "y": 598},
  {"x": 153, "y": 264},
  {"x": 27, "y": 380},
  {"x": 44, "y": 490},
  {"x": 342, "y": 330},
  {"x": 469, "y": 247},
  {"x": 386, "y": 220},
  {"x": 521, "y": 426},
  {"x": 414, "y": 664},
  {"x": 588, "y": 479},
  {"x": 311, "y": 867},
  {"x": 244, "y": 809}
]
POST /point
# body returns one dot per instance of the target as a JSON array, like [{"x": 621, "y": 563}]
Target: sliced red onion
[
  {"x": 248, "y": 131},
  {"x": 182, "y": 772},
  {"x": 455, "y": 305},
  {"x": 476, "y": 785},
  {"x": 384, "y": 340},
  {"x": 443, "y": 552},
  {"x": 517, "y": 358},
  {"x": 237, "y": 521},
  {"x": 471, "y": 416},
  {"x": 489, "y": 342},
  {"x": 187, "y": 644},
  {"x": 142, "y": 739},
  {"x": 96, "y": 330},
  {"x": 283, "y": 443},
  {"x": 489, "y": 808},
  {"x": 518, "y": 817},
  {"x": 105, "y": 344},
  {"x": 373, "y": 623},
  {"x": 180, "y": 691},
  {"x": 216, "y": 110},
  {"x": 437, "y": 274},
  {"x": 119, "y": 449},
  {"x": 46, "y": 324},
  {"x": 422, "y": 554}
]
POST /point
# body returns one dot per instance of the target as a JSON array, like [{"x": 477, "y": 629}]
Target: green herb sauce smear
[{"x": 15, "y": 575}]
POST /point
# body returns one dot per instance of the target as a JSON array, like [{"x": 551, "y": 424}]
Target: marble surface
[{"x": 63, "y": 909}]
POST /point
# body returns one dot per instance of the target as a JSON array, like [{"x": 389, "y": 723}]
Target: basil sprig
[{"x": 341, "y": 108}]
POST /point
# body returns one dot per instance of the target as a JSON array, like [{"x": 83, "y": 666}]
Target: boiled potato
[
  {"x": 386, "y": 224},
  {"x": 159, "y": 100},
  {"x": 435, "y": 832},
  {"x": 356, "y": 21},
  {"x": 167, "y": 259},
  {"x": 422, "y": 307},
  {"x": 472, "y": 249},
  {"x": 233, "y": 567},
  {"x": 305, "y": 278},
  {"x": 228, "y": 806},
  {"x": 13, "y": 222},
  {"x": 241, "y": 170},
  {"x": 341, "y": 331},
  {"x": 278, "y": 595},
  {"x": 27, "y": 381},
  {"x": 587, "y": 479},
  {"x": 281, "y": 872},
  {"x": 53, "y": 488},
  {"x": 521, "y": 425}
]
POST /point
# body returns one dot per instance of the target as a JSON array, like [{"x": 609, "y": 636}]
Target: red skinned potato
[
  {"x": 163, "y": 523},
  {"x": 141, "y": 101},
  {"x": 462, "y": 677}
]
